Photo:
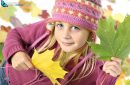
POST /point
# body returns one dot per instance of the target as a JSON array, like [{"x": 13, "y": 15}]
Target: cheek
[
  {"x": 57, "y": 35},
  {"x": 81, "y": 39}
]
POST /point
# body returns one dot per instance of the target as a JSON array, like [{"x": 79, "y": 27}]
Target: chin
[{"x": 68, "y": 50}]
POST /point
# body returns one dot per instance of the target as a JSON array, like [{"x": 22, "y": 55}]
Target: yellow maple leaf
[
  {"x": 3, "y": 36},
  {"x": 7, "y": 12},
  {"x": 35, "y": 11},
  {"x": 119, "y": 17},
  {"x": 50, "y": 68},
  {"x": 29, "y": 6},
  {"x": 107, "y": 12},
  {"x": 26, "y": 5},
  {"x": 120, "y": 79}
]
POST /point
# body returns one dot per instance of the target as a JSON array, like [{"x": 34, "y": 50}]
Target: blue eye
[
  {"x": 75, "y": 28},
  {"x": 59, "y": 25}
]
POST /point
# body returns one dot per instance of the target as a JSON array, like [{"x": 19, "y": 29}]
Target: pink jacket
[{"x": 20, "y": 39}]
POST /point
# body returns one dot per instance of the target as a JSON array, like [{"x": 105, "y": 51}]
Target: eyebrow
[{"x": 58, "y": 22}]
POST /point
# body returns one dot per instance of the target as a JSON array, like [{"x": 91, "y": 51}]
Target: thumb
[
  {"x": 28, "y": 62},
  {"x": 118, "y": 60}
]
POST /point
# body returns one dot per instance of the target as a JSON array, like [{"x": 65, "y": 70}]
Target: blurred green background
[{"x": 1, "y": 56}]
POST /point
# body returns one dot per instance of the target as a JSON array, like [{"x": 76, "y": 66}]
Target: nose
[{"x": 66, "y": 33}]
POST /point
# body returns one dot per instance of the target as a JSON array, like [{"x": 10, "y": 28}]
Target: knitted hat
[{"x": 83, "y": 13}]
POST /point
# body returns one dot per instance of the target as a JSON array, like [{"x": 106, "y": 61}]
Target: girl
[{"x": 72, "y": 24}]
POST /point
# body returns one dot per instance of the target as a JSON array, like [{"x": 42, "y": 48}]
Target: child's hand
[
  {"x": 113, "y": 67},
  {"x": 21, "y": 61}
]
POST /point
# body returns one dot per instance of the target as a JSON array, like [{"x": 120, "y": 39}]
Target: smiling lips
[{"x": 67, "y": 44}]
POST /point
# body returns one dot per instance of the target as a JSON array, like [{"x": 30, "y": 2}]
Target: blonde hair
[{"x": 87, "y": 67}]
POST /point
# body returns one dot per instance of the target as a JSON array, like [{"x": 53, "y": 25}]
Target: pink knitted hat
[{"x": 83, "y": 13}]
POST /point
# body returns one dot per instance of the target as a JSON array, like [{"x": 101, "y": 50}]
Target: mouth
[{"x": 67, "y": 44}]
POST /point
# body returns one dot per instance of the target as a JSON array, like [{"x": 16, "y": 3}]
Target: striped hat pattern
[{"x": 83, "y": 13}]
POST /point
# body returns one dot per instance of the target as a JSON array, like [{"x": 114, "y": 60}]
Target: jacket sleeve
[
  {"x": 104, "y": 78},
  {"x": 19, "y": 39}
]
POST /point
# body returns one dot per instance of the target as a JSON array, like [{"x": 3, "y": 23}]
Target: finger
[
  {"x": 114, "y": 70},
  {"x": 111, "y": 72},
  {"x": 20, "y": 66},
  {"x": 112, "y": 63},
  {"x": 116, "y": 59},
  {"x": 106, "y": 64},
  {"x": 29, "y": 64},
  {"x": 113, "y": 66},
  {"x": 16, "y": 65},
  {"x": 116, "y": 65},
  {"x": 24, "y": 67}
]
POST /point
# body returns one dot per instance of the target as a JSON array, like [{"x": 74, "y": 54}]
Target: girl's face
[{"x": 70, "y": 37}]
